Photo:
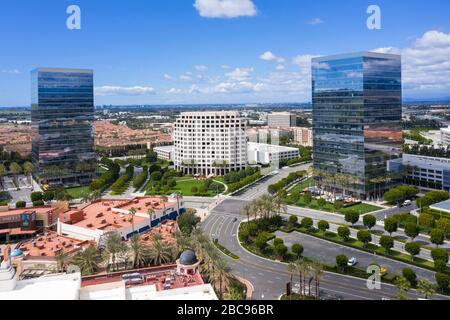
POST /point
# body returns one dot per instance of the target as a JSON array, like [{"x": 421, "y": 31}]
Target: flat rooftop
[
  {"x": 50, "y": 244},
  {"x": 269, "y": 147},
  {"x": 441, "y": 206}
]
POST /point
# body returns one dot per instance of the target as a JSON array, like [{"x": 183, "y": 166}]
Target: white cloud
[
  {"x": 316, "y": 21},
  {"x": 201, "y": 68},
  {"x": 123, "y": 91},
  {"x": 168, "y": 77},
  {"x": 280, "y": 67},
  {"x": 186, "y": 77},
  {"x": 238, "y": 87},
  {"x": 225, "y": 8},
  {"x": 174, "y": 91},
  {"x": 225, "y": 67},
  {"x": 240, "y": 74},
  {"x": 269, "y": 56}
]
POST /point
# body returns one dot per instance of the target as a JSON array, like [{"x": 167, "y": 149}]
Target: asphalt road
[{"x": 269, "y": 278}]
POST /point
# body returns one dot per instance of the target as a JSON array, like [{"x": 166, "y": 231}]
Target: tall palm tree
[
  {"x": 426, "y": 288},
  {"x": 292, "y": 269},
  {"x": 403, "y": 287},
  {"x": 62, "y": 260},
  {"x": 182, "y": 242},
  {"x": 113, "y": 247},
  {"x": 221, "y": 275},
  {"x": 164, "y": 200},
  {"x": 247, "y": 210},
  {"x": 160, "y": 253},
  {"x": 317, "y": 271},
  {"x": 139, "y": 250},
  {"x": 88, "y": 261},
  {"x": 132, "y": 213}
]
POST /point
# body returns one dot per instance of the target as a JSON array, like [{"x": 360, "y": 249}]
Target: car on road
[
  {"x": 383, "y": 271},
  {"x": 235, "y": 219},
  {"x": 407, "y": 203},
  {"x": 352, "y": 262}
]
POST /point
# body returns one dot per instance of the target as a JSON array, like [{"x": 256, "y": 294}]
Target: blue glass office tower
[
  {"x": 357, "y": 119},
  {"x": 62, "y": 115}
]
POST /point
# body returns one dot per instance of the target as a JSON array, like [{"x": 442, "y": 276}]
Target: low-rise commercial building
[
  {"x": 260, "y": 153},
  {"x": 282, "y": 120},
  {"x": 303, "y": 136},
  {"x": 428, "y": 172},
  {"x": 165, "y": 153},
  {"x": 107, "y": 215}
]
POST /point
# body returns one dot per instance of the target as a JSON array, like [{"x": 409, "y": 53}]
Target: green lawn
[
  {"x": 184, "y": 186},
  {"x": 363, "y": 208},
  {"x": 79, "y": 192},
  {"x": 303, "y": 185}
]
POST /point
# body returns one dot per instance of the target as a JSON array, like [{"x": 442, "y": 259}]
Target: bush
[
  {"x": 323, "y": 225},
  {"x": 413, "y": 248},
  {"x": 293, "y": 176},
  {"x": 297, "y": 249},
  {"x": 444, "y": 225},
  {"x": 36, "y": 196},
  {"x": 21, "y": 204},
  {"x": 188, "y": 221},
  {"x": 194, "y": 190},
  {"x": 440, "y": 266},
  {"x": 140, "y": 179},
  {"x": 121, "y": 183},
  {"x": 240, "y": 184},
  {"x": 107, "y": 178},
  {"x": 281, "y": 250},
  {"x": 391, "y": 225},
  {"x": 426, "y": 220},
  {"x": 261, "y": 240},
  {"x": 412, "y": 230},
  {"x": 39, "y": 203},
  {"x": 278, "y": 241},
  {"x": 387, "y": 243},
  {"x": 432, "y": 197},
  {"x": 48, "y": 196},
  {"x": 410, "y": 275},
  {"x": 364, "y": 236}
]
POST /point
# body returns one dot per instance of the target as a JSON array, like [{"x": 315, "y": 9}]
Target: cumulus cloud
[
  {"x": 269, "y": 56},
  {"x": 186, "y": 77},
  {"x": 426, "y": 63},
  {"x": 225, "y": 8},
  {"x": 240, "y": 74},
  {"x": 11, "y": 71},
  {"x": 238, "y": 87},
  {"x": 123, "y": 91},
  {"x": 316, "y": 21},
  {"x": 168, "y": 77}
]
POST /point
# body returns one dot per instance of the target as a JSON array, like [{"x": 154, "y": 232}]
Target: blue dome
[
  {"x": 16, "y": 253},
  {"x": 188, "y": 258}
]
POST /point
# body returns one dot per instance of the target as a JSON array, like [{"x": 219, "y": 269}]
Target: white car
[
  {"x": 407, "y": 203},
  {"x": 352, "y": 262}
]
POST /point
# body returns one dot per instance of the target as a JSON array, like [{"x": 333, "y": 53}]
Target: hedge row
[
  {"x": 244, "y": 182},
  {"x": 274, "y": 188},
  {"x": 118, "y": 186},
  {"x": 141, "y": 179},
  {"x": 107, "y": 178}
]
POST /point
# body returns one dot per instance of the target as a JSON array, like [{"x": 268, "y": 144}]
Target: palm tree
[
  {"x": 114, "y": 246},
  {"x": 317, "y": 270},
  {"x": 160, "y": 253},
  {"x": 62, "y": 260},
  {"x": 280, "y": 205},
  {"x": 132, "y": 213},
  {"x": 403, "y": 287},
  {"x": 292, "y": 269},
  {"x": 15, "y": 169},
  {"x": 139, "y": 250},
  {"x": 426, "y": 288},
  {"x": 88, "y": 261},
  {"x": 247, "y": 210},
  {"x": 164, "y": 200},
  {"x": 28, "y": 169},
  {"x": 221, "y": 275},
  {"x": 182, "y": 242}
]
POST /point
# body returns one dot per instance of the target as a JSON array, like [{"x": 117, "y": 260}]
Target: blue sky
[{"x": 216, "y": 51}]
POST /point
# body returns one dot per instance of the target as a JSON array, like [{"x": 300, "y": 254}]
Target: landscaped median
[{"x": 225, "y": 250}]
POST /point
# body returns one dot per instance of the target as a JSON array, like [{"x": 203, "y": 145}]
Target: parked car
[
  {"x": 407, "y": 203},
  {"x": 352, "y": 262}
]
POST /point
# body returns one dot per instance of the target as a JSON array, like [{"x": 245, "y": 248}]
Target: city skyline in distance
[{"x": 179, "y": 54}]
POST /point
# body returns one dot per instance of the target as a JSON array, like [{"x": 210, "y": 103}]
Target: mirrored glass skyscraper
[
  {"x": 62, "y": 115},
  {"x": 357, "y": 119}
]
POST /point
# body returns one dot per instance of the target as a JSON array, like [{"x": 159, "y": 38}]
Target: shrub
[
  {"x": 440, "y": 255},
  {"x": 194, "y": 190},
  {"x": 352, "y": 217},
  {"x": 413, "y": 248},
  {"x": 426, "y": 220},
  {"x": 281, "y": 250},
  {"x": 432, "y": 197},
  {"x": 390, "y": 225},
  {"x": 437, "y": 237},
  {"x": 369, "y": 221},
  {"x": 341, "y": 262},
  {"x": 440, "y": 266},
  {"x": 278, "y": 241},
  {"x": 442, "y": 280},
  {"x": 48, "y": 195},
  {"x": 410, "y": 275},
  {"x": 412, "y": 230},
  {"x": 364, "y": 236},
  {"x": 293, "y": 220},
  {"x": 140, "y": 179},
  {"x": 387, "y": 243},
  {"x": 21, "y": 204},
  {"x": 36, "y": 196},
  {"x": 38, "y": 203},
  {"x": 307, "y": 223}
]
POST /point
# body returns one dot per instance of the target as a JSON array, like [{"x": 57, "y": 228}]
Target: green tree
[
  {"x": 261, "y": 241},
  {"x": 307, "y": 223},
  {"x": 387, "y": 243},
  {"x": 412, "y": 230},
  {"x": 444, "y": 225},
  {"x": 365, "y": 237},
  {"x": 2, "y": 174},
  {"x": 188, "y": 222},
  {"x": 344, "y": 233},
  {"x": 63, "y": 259},
  {"x": 323, "y": 225},
  {"x": 440, "y": 255},
  {"x": 28, "y": 170},
  {"x": 21, "y": 204},
  {"x": 15, "y": 169},
  {"x": 321, "y": 202},
  {"x": 443, "y": 281},
  {"x": 352, "y": 217},
  {"x": 390, "y": 225},
  {"x": 307, "y": 199},
  {"x": 413, "y": 248},
  {"x": 297, "y": 249},
  {"x": 160, "y": 253},
  {"x": 293, "y": 220},
  {"x": 426, "y": 220},
  {"x": 281, "y": 250},
  {"x": 410, "y": 275},
  {"x": 88, "y": 261},
  {"x": 403, "y": 287},
  {"x": 437, "y": 237},
  {"x": 369, "y": 221},
  {"x": 140, "y": 252},
  {"x": 341, "y": 262}
]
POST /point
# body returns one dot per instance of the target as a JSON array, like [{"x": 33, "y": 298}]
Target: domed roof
[
  {"x": 16, "y": 253},
  {"x": 188, "y": 258}
]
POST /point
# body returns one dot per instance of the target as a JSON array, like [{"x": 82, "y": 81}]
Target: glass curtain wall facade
[
  {"x": 357, "y": 120},
  {"x": 62, "y": 115}
]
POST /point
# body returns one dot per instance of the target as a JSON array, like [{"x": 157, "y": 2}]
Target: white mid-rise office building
[
  {"x": 210, "y": 143},
  {"x": 261, "y": 153}
]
